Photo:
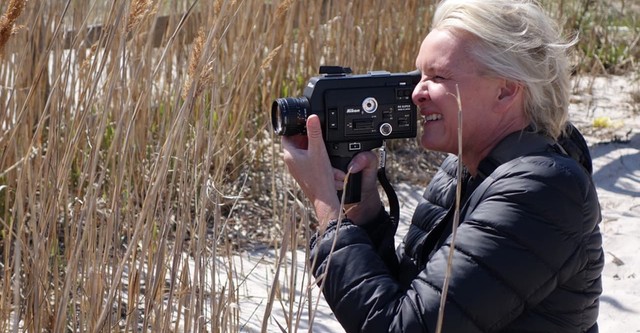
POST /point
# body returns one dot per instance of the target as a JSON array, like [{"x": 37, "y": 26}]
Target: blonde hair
[{"x": 517, "y": 40}]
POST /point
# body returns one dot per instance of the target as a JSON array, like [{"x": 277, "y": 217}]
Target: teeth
[{"x": 433, "y": 117}]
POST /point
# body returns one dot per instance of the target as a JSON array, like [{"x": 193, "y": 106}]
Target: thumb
[
  {"x": 364, "y": 161},
  {"x": 314, "y": 132}
]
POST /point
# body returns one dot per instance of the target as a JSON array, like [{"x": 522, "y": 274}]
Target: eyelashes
[{"x": 435, "y": 78}]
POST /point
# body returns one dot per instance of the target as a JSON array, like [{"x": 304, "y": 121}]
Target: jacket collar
[{"x": 514, "y": 145}]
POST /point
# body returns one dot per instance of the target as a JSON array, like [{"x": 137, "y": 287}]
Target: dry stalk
[
  {"x": 284, "y": 246},
  {"x": 322, "y": 278},
  {"x": 456, "y": 217}
]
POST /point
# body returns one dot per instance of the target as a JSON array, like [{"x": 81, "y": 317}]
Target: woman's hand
[
  {"x": 369, "y": 205},
  {"x": 307, "y": 160}
]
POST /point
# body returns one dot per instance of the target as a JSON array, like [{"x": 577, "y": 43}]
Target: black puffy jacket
[{"x": 527, "y": 256}]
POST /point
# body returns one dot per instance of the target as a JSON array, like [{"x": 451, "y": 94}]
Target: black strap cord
[{"x": 386, "y": 247}]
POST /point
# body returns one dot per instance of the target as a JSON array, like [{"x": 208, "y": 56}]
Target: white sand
[{"x": 617, "y": 177}]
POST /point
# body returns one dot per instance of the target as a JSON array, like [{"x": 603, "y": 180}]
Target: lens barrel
[{"x": 289, "y": 115}]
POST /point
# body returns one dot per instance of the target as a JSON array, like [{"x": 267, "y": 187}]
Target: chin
[
  {"x": 437, "y": 144},
  {"x": 429, "y": 144}
]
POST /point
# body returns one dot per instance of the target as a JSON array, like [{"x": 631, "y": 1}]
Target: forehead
[{"x": 443, "y": 49}]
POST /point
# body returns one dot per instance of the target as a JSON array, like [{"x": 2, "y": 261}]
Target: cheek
[
  {"x": 444, "y": 97},
  {"x": 480, "y": 95}
]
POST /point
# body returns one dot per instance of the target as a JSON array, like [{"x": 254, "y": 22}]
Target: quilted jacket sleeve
[{"x": 527, "y": 233}]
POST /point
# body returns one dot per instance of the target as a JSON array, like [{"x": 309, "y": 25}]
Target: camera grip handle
[
  {"x": 354, "y": 183},
  {"x": 353, "y": 189}
]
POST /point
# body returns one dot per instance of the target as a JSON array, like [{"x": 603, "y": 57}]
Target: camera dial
[
  {"x": 370, "y": 105},
  {"x": 386, "y": 129}
]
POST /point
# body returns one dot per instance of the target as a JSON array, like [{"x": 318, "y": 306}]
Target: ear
[
  {"x": 509, "y": 89},
  {"x": 509, "y": 93}
]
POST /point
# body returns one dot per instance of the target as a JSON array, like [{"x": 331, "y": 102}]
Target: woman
[{"x": 527, "y": 255}]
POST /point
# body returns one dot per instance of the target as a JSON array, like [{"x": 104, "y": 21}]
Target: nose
[{"x": 420, "y": 93}]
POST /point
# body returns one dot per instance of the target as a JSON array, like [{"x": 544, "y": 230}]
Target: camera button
[
  {"x": 386, "y": 129},
  {"x": 370, "y": 105},
  {"x": 333, "y": 119}
]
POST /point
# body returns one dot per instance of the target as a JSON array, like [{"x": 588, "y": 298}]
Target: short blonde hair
[{"x": 517, "y": 40}]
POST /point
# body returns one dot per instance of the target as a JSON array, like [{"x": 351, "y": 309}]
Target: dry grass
[
  {"x": 609, "y": 33},
  {"x": 136, "y": 157},
  {"x": 130, "y": 172}
]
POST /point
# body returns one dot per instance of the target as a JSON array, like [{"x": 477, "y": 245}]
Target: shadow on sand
[{"x": 620, "y": 174}]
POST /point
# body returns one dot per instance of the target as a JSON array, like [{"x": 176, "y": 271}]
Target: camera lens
[{"x": 289, "y": 115}]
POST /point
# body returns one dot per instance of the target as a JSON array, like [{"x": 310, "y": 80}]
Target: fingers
[
  {"x": 307, "y": 160},
  {"x": 312, "y": 141},
  {"x": 314, "y": 133},
  {"x": 366, "y": 161},
  {"x": 309, "y": 164}
]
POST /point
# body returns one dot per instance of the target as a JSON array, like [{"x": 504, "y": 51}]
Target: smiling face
[{"x": 445, "y": 61}]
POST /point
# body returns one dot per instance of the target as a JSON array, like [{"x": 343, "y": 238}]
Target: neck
[{"x": 475, "y": 153}]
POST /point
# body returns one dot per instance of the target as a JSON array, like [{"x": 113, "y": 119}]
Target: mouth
[{"x": 432, "y": 117}]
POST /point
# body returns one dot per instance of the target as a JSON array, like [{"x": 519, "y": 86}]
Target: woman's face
[{"x": 445, "y": 61}]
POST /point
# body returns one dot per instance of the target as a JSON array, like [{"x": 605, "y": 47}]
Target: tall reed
[{"x": 131, "y": 155}]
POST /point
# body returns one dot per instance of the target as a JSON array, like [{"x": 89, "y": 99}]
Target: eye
[
  {"x": 433, "y": 78},
  {"x": 432, "y": 75}
]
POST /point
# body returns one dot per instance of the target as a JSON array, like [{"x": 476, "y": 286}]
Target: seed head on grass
[
  {"x": 283, "y": 7},
  {"x": 267, "y": 61},
  {"x": 217, "y": 6},
  {"x": 8, "y": 20},
  {"x": 201, "y": 77},
  {"x": 194, "y": 59},
  {"x": 138, "y": 11}
]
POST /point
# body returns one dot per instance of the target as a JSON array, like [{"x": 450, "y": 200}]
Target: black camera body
[{"x": 357, "y": 112}]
